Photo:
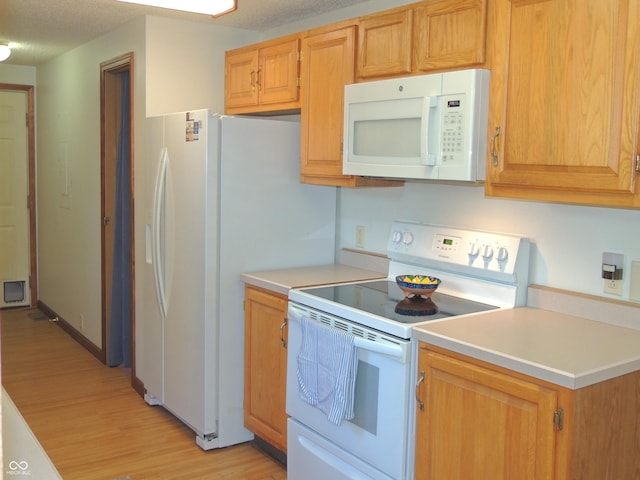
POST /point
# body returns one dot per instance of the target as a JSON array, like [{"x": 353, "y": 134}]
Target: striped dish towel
[{"x": 327, "y": 367}]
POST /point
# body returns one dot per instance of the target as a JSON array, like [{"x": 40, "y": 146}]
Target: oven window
[{"x": 366, "y": 397}]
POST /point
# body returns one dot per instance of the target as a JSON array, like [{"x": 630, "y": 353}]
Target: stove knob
[
  {"x": 503, "y": 254},
  {"x": 487, "y": 252},
  {"x": 474, "y": 250},
  {"x": 396, "y": 237},
  {"x": 407, "y": 238}
]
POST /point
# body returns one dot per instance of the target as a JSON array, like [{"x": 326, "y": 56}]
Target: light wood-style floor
[{"x": 94, "y": 426}]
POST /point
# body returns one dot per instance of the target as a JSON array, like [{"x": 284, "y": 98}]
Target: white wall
[
  {"x": 185, "y": 64},
  {"x": 568, "y": 240},
  {"x": 68, "y": 183},
  {"x": 178, "y": 65},
  {"x": 17, "y": 74}
]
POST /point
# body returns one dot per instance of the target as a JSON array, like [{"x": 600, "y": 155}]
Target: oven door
[{"x": 378, "y": 434}]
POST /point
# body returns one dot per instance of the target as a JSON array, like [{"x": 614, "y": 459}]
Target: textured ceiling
[{"x": 39, "y": 30}]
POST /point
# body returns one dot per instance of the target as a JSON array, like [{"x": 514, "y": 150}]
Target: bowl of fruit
[{"x": 423, "y": 285}]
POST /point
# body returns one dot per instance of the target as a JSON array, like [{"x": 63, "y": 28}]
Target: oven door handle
[
  {"x": 396, "y": 351},
  {"x": 377, "y": 347}
]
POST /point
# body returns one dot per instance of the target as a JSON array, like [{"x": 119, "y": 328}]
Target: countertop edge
[{"x": 532, "y": 369}]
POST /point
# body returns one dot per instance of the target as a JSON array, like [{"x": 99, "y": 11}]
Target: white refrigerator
[{"x": 223, "y": 197}]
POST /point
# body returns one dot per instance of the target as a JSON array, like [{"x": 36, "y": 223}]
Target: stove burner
[{"x": 416, "y": 306}]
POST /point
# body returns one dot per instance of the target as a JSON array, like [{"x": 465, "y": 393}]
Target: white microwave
[{"x": 427, "y": 127}]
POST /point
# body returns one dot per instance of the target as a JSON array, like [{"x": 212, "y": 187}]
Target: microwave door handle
[{"x": 430, "y": 128}]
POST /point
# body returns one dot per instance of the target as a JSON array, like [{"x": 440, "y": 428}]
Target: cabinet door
[
  {"x": 328, "y": 64},
  {"x": 384, "y": 44},
  {"x": 479, "y": 424},
  {"x": 278, "y": 73},
  {"x": 565, "y": 101},
  {"x": 265, "y": 366},
  {"x": 241, "y": 75},
  {"x": 449, "y": 34}
]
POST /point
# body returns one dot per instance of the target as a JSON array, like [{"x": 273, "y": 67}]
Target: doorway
[
  {"x": 18, "y": 260},
  {"x": 117, "y": 187}
]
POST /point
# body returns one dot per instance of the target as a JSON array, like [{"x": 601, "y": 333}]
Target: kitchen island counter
[{"x": 563, "y": 349}]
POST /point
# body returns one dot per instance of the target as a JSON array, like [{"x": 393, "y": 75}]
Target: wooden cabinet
[
  {"x": 565, "y": 101},
  {"x": 423, "y": 37},
  {"x": 478, "y": 423},
  {"x": 327, "y": 64},
  {"x": 384, "y": 44},
  {"x": 449, "y": 34},
  {"x": 482, "y": 421},
  {"x": 263, "y": 77},
  {"x": 265, "y": 375}
]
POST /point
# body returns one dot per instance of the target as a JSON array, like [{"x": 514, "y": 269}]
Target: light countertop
[
  {"x": 563, "y": 349},
  {"x": 23, "y": 456},
  {"x": 281, "y": 281}
]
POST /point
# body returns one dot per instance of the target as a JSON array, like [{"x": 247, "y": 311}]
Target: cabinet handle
[
  {"x": 494, "y": 154},
  {"x": 253, "y": 79},
  {"x": 284, "y": 324},
  {"x": 418, "y": 399},
  {"x": 258, "y": 81}
]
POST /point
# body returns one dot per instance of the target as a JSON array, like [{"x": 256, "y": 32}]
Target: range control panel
[{"x": 424, "y": 244}]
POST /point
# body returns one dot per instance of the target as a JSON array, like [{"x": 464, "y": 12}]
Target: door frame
[
  {"x": 31, "y": 186},
  {"x": 109, "y": 83}
]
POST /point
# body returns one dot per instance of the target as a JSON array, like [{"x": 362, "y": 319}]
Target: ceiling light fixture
[
  {"x": 5, "y": 52},
  {"x": 214, "y": 8}
]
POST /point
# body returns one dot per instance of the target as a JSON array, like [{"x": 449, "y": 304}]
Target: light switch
[{"x": 612, "y": 264}]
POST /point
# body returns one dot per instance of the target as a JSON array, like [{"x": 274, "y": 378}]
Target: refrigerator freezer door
[{"x": 190, "y": 263}]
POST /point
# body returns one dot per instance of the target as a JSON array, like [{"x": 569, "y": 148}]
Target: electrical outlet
[
  {"x": 613, "y": 287},
  {"x": 360, "y": 230}
]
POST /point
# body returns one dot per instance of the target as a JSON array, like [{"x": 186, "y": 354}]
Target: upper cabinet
[
  {"x": 263, "y": 77},
  {"x": 327, "y": 64},
  {"x": 384, "y": 42},
  {"x": 449, "y": 34},
  {"x": 422, "y": 37},
  {"x": 564, "y": 117}
]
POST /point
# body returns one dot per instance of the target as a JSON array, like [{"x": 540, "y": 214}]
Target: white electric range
[{"x": 479, "y": 271}]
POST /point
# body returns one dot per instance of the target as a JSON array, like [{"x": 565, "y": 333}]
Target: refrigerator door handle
[{"x": 158, "y": 224}]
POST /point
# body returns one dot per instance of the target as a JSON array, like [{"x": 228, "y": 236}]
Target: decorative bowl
[{"x": 423, "y": 285}]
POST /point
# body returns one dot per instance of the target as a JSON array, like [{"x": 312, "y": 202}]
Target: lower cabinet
[
  {"x": 265, "y": 365},
  {"x": 478, "y": 421}
]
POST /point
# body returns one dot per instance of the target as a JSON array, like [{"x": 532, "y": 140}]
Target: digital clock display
[{"x": 447, "y": 241}]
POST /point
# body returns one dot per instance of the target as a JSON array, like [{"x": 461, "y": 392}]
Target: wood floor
[{"x": 94, "y": 426}]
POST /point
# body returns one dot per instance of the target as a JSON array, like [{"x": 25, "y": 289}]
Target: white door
[{"x": 14, "y": 211}]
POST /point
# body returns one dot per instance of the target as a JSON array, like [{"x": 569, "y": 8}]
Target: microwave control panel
[{"x": 452, "y": 123}]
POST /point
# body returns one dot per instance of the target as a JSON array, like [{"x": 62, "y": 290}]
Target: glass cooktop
[{"x": 384, "y": 298}]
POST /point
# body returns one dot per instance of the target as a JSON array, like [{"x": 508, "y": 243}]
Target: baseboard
[
  {"x": 136, "y": 383},
  {"x": 74, "y": 333},
  {"x": 270, "y": 450}
]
